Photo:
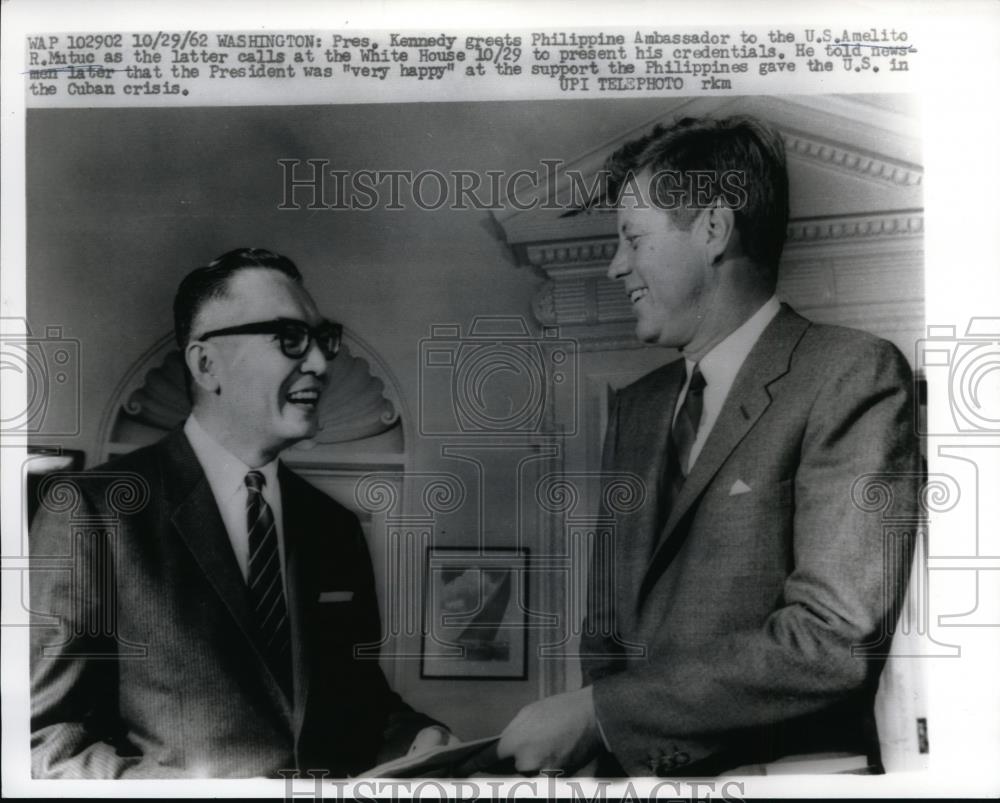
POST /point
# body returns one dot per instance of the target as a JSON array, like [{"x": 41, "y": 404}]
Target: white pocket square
[
  {"x": 336, "y": 596},
  {"x": 739, "y": 487}
]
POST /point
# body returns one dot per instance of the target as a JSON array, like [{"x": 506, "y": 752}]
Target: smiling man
[
  {"x": 230, "y": 600},
  {"x": 755, "y": 592}
]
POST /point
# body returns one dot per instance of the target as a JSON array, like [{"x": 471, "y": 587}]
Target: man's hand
[
  {"x": 558, "y": 732},
  {"x": 430, "y": 738}
]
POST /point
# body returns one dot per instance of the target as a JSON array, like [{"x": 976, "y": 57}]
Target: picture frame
[{"x": 475, "y": 614}]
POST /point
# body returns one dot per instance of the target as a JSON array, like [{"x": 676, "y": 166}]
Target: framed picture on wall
[{"x": 475, "y": 614}]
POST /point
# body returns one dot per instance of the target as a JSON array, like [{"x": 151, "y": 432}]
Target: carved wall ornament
[{"x": 355, "y": 406}]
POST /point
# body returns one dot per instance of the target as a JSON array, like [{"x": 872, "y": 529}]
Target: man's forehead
[
  {"x": 630, "y": 219},
  {"x": 637, "y": 211},
  {"x": 634, "y": 195},
  {"x": 260, "y": 295}
]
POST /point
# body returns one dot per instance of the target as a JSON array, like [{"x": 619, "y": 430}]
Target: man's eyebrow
[
  {"x": 631, "y": 231},
  {"x": 321, "y": 322}
]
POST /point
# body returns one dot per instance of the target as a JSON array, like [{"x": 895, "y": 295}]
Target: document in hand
[{"x": 454, "y": 761}]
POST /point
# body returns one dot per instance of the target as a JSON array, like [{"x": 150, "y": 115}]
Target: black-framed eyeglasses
[{"x": 294, "y": 337}]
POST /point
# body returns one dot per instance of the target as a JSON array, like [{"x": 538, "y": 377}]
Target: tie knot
[
  {"x": 254, "y": 481},
  {"x": 698, "y": 382}
]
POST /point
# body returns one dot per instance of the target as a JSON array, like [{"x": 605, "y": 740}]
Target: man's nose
[
  {"x": 619, "y": 263},
  {"x": 315, "y": 361}
]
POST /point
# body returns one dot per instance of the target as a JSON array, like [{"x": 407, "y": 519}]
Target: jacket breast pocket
[
  {"x": 750, "y": 496},
  {"x": 749, "y": 531},
  {"x": 335, "y": 624}
]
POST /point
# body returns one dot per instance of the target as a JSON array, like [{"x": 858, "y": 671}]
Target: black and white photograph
[{"x": 618, "y": 432}]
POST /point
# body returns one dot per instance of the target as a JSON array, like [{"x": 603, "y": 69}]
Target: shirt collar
[
  {"x": 226, "y": 473},
  {"x": 723, "y": 362}
]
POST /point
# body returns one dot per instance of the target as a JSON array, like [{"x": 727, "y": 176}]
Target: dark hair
[
  {"x": 733, "y": 149},
  {"x": 211, "y": 281}
]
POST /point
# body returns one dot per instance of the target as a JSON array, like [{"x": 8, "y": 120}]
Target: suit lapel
[
  {"x": 199, "y": 524},
  {"x": 641, "y": 442},
  {"x": 649, "y": 447},
  {"x": 746, "y": 402},
  {"x": 301, "y": 585}
]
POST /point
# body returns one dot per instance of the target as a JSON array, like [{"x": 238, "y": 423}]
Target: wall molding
[
  {"x": 585, "y": 252},
  {"x": 853, "y": 161},
  {"x": 902, "y": 223},
  {"x": 834, "y": 262},
  {"x": 852, "y": 136}
]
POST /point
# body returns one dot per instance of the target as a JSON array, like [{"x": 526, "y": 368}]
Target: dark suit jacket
[
  {"x": 153, "y": 667},
  {"x": 736, "y": 612}
]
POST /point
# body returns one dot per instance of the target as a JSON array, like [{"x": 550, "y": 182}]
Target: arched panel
[{"x": 361, "y": 413}]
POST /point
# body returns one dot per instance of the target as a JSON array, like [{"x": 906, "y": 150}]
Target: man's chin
[
  {"x": 300, "y": 424},
  {"x": 309, "y": 429},
  {"x": 646, "y": 334}
]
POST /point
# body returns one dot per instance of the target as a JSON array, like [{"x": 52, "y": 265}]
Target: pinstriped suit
[
  {"x": 736, "y": 616},
  {"x": 202, "y": 702}
]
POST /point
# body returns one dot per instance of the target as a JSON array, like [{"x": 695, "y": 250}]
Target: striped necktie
[
  {"x": 682, "y": 438},
  {"x": 264, "y": 579}
]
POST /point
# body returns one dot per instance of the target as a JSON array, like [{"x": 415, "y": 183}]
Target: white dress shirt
[
  {"x": 227, "y": 478},
  {"x": 719, "y": 367}
]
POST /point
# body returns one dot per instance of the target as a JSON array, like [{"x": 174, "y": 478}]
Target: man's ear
[
  {"x": 720, "y": 228},
  {"x": 200, "y": 359}
]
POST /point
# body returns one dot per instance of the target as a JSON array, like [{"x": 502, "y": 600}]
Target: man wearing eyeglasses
[{"x": 238, "y": 592}]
